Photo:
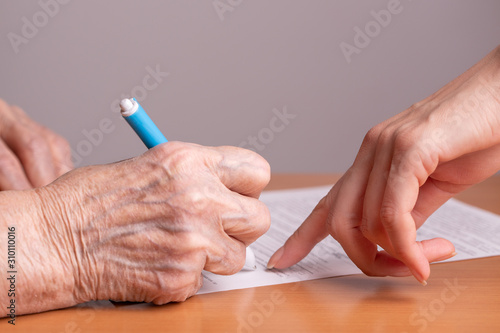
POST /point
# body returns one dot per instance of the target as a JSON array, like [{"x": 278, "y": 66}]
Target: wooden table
[{"x": 460, "y": 297}]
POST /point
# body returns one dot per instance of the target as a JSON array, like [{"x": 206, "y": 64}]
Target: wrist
[
  {"x": 44, "y": 277},
  {"x": 68, "y": 211},
  {"x": 85, "y": 209}
]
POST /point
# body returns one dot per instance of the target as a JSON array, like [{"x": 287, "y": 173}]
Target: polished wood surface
[{"x": 460, "y": 297}]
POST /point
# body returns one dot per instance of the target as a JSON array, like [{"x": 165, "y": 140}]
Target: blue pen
[
  {"x": 139, "y": 120},
  {"x": 151, "y": 135}
]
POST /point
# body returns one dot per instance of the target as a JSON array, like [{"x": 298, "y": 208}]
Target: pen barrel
[{"x": 145, "y": 128}]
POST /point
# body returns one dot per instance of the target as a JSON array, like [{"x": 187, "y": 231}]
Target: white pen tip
[{"x": 128, "y": 106}]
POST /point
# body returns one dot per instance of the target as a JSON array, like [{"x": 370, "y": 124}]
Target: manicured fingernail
[
  {"x": 419, "y": 277},
  {"x": 275, "y": 257}
]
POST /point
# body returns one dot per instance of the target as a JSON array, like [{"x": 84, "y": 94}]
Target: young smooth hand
[{"x": 406, "y": 168}]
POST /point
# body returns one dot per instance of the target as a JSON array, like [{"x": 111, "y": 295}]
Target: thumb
[{"x": 312, "y": 231}]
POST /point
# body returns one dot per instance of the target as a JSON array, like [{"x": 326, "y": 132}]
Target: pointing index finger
[{"x": 303, "y": 240}]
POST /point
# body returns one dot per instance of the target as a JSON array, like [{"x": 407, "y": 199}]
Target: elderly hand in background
[
  {"x": 139, "y": 230},
  {"x": 30, "y": 154},
  {"x": 406, "y": 168}
]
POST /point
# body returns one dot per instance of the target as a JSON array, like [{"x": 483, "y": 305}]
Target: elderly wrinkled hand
[
  {"x": 142, "y": 229},
  {"x": 30, "y": 155}
]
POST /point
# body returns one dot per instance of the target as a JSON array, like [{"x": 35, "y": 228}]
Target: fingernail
[
  {"x": 275, "y": 258},
  {"x": 419, "y": 277}
]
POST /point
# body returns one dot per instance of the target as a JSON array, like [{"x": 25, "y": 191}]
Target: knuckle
[
  {"x": 404, "y": 140},
  {"x": 175, "y": 147},
  {"x": 337, "y": 221},
  {"x": 416, "y": 107},
  {"x": 263, "y": 220},
  {"x": 263, "y": 174},
  {"x": 60, "y": 143},
  {"x": 178, "y": 156},
  {"x": 172, "y": 146},
  {"x": 389, "y": 217},
  {"x": 3, "y": 105},
  {"x": 8, "y": 117},
  {"x": 373, "y": 134},
  {"x": 237, "y": 253},
  {"x": 230, "y": 258},
  {"x": 18, "y": 110},
  {"x": 364, "y": 226},
  {"x": 8, "y": 163},
  {"x": 193, "y": 198},
  {"x": 193, "y": 201},
  {"x": 189, "y": 241},
  {"x": 372, "y": 228},
  {"x": 386, "y": 135},
  {"x": 17, "y": 114},
  {"x": 333, "y": 229},
  {"x": 262, "y": 168},
  {"x": 33, "y": 144},
  {"x": 333, "y": 225},
  {"x": 387, "y": 214},
  {"x": 258, "y": 165},
  {"x": 237, "y": 262}
]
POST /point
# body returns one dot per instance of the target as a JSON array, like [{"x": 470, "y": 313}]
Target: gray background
[{"x": 226, "y": 76}]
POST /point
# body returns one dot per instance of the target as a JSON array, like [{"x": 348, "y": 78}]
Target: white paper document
[{"x": 473, "y": 231}]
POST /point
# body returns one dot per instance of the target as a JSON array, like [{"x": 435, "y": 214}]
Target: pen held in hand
[{"x": 151, "y": 135}]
